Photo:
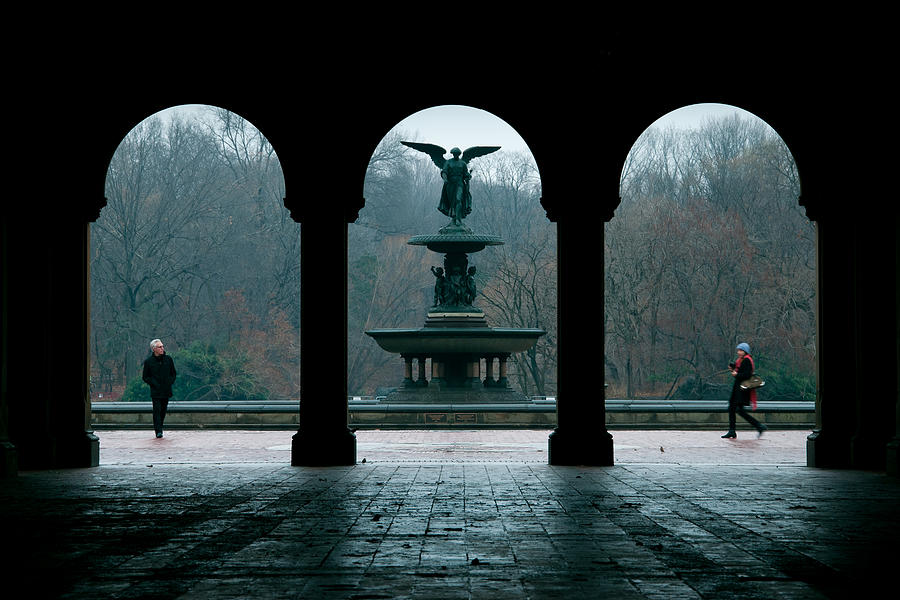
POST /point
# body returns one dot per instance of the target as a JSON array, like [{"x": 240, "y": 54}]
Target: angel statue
[{"x": 456, "y": 201}]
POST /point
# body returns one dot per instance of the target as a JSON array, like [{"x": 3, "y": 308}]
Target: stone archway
[
  {"x": 580, "y": 133},
  {"x": 192, "y": 247},
  {"x": 709, "y": 218}
]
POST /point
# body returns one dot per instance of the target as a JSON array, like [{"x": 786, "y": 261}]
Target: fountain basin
[{"x": 456, "y": 241}]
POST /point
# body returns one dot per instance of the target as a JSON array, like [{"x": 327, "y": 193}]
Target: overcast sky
[
  {"x": 461, "y": 126},
  {"x": 692, "y": 117},
  {"x": 464, "y": 126}
]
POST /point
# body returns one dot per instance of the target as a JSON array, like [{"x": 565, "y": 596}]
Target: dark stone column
[
  {"x": 9, "y": 460},
  {"x": 489, "y": 372},
  {"x": 422, "y": 380},
  {"x": 407, "y": 371},
  {"x": 502, "y": 379},
  {"x": 829, "y": 443},
  {"x": 580, "y": 437},
  {"x": 78, "y": 445},
  {"x": 892, "y": 462},
  {"x": 47, "y": 375},
  {"x": 437, "y": 371},
  {"x": 876, "y": 346},
  {"x": 323, "y": 437},
  {"x": 471, "y": 368}
]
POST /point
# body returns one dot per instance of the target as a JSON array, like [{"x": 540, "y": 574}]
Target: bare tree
[
  {"x": 163, "y": 189},
  {"x": 194, "y": 210},
  {"x": 708, "y": 247}
]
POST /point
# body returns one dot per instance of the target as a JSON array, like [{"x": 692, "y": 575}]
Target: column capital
[
  {"x": 302, "y": 212},
  {"x": 601, "y": 211}
]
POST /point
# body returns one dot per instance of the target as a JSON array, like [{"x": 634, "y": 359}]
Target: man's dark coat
[{"x": 159, "y": 374}]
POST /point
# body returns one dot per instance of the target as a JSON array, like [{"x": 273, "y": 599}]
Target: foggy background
[{"x": 709, "y": 247}]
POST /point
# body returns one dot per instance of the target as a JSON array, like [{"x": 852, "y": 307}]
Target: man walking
[{"x": 159, "y": 374}]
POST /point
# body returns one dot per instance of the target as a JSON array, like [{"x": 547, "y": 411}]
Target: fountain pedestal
[{"x": 456, "y": 337}]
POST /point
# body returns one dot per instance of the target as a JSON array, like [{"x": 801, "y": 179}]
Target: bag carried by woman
[{"x": 755, "y": 381}]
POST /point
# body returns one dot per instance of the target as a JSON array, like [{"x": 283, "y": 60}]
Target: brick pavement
[
  {"x": 687, "y": 447},
  {"x": 213, "y": 526}
]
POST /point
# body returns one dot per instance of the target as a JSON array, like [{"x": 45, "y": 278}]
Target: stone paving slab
[
  {"x": 197, "y": 526},
  {"x": 678, "y": 447}
]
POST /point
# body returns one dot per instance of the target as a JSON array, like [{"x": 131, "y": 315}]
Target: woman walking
[{"x": 742, "y": 369}]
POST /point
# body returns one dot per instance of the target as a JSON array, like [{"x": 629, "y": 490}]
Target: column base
[
  {"x": 78, "y": 452},
  {"x": 39, "y": 452},
  {"x": 323, "y": 449},
  {"x": 892, "y": 462},
  {"x": 827, "y": 451},
  {"x": 9, "y": 460},
  {"x": 588, "y": 447}
]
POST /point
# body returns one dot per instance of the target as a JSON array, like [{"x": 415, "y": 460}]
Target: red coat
[{"x": 745, "y": 369}]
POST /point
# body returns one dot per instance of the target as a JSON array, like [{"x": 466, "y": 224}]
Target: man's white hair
[{"x": 155, "y": 343}]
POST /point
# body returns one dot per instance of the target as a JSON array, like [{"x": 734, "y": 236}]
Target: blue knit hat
[{"x": 744, "y": 346}]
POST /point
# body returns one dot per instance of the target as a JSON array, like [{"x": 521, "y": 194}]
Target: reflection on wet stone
[{"x": 447, "y": 530}]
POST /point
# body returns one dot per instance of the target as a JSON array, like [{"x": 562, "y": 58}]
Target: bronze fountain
[{"x": 456, "y": 335}]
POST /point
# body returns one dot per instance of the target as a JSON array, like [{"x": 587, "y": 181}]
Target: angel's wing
[
  {"x": 476, "y": 151},
  {"x": 435, "y": 152}
]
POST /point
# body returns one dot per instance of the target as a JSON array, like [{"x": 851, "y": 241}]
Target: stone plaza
[{"x": 451, "y": 514}]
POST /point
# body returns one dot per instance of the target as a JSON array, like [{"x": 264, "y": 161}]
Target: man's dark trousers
[{"x": 159, "y": 413}]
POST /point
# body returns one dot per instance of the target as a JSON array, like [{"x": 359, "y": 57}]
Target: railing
[{"x": 369, "y": 412}]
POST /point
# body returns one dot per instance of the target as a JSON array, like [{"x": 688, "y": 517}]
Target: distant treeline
[
  {"x": 708, "y": 248},
  {"x": 195, "y": 247}
]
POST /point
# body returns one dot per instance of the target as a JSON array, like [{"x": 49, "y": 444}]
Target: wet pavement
[
  {"x": 687, "y": 447},
  {"x": 218, "y": 514}
]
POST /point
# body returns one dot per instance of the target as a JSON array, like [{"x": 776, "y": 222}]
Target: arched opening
[
  {"x": 393, "y": 282},
  {"x": 194, "y": 247},
  {"x": 709, "y": 247}
]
